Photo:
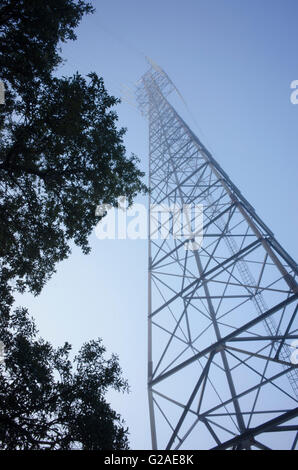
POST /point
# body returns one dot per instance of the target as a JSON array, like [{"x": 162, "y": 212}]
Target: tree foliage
[
  {"x": 61, "y": 153},
  {"x": 48, "y": 401}
]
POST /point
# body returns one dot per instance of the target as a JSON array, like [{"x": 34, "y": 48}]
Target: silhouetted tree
[
  {"x": 50, "y": 402},
  {"x": 61, "y": 153}
]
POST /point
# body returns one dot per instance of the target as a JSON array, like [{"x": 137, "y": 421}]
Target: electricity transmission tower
[{"x": 222, "y": 369}]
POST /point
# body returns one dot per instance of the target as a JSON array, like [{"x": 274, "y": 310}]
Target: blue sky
[{"x": 233, "y": 62}]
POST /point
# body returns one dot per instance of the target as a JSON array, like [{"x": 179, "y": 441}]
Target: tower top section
[{"x": 153, "y": 82}]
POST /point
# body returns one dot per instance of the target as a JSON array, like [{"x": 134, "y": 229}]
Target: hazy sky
[{"x": 233, "y": 61}]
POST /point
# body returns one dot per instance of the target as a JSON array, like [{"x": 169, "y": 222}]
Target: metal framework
[{"x": 222, "y": 318}]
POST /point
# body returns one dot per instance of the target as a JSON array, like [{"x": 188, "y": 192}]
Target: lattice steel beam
[{"x": 222, "y": 317}]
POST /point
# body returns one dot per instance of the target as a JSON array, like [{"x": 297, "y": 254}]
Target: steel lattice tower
[{"x": 221, "y": 322}]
